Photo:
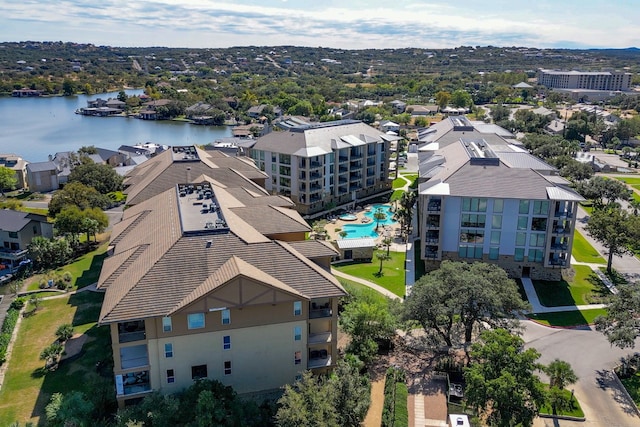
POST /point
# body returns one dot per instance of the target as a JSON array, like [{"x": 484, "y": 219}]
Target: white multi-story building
[
  {"x": 323, "y": 165},
  {"x": 483, "y": 197},
  {"x": 593, "y": 80}
]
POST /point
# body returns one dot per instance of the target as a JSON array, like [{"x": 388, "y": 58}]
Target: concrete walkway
[{"x": 537, "y": 307}]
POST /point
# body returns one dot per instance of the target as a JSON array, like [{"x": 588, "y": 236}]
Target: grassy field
[
  {"x": 568, "y": 318},
  {"x": 28, "y": 387},
  {"x": 583, "y": 251},
  {"x": 392, "y": 277},
  {"x": 580, "y": 289},
  {"x": 630, "y": 181},
  {"x": 85, "y": 270},
  {"x": 632, "y": 384}
]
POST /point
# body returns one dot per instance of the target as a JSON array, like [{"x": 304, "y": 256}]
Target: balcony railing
[
  {"x": 13, "y": 254},
  {"x": 320, "y": 312},
  {"x": 434, "y": 207},
  {"x": 319, "y": 361},
  {"x": 432, "y": 240},
  {"x": 319, "y": 338},
  {"x": 563, "y": 214},
  {"x": 433, "y": 225},
  {"x": 134, "y": 382},
  {"x": 558, "y": 262},
  {"x": 559, "y": 247},
  {"x": 431, "y": 255}
]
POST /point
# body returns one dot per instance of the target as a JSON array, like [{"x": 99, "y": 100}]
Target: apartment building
[
  {"x": 324, "y": 165},
  {"x": 600, "y": 80},
  {"x": 17, "y": 229},
  {"x": 212, "y": 278},
  {"x": 482, "y": 197}
]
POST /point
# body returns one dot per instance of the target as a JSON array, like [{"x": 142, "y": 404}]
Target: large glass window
[
  {"x": 472, "y": 236},
  {"x": 539, "y": 224},
  {"x": 536, "y": 240},
  {"x": 496, "y": 221},
  {"x": 535, "y": 255},
  {"x": 498, "y": 205},
  {"x": 285, "y": 170},
  {"x": 540, "y": 207},
  {"x": 195, "y": 321},
  {"x": 521, "y": 239},
  {"x": 297, "y": 308},
  {"x": 474, "y": 204},
  {"x": 168, "y": 350},
  {"x": 297, "y": 357},
  {"x": 198, "y": 372},
  {"x": 227, "y": 367},
  {"x": 523, "y": 222},
  {"x": 473, "y": 220},
  {"x": 495, "y": 237},
  {"x": 297, "y": 333},
  {"x": 285, "y": 159},
  {"x": 524, "y": 207},
  {"x": 493, "y": 252},
  {"x": 518, "y": 254},
  {"x": 226, "y": 342},
  {"x": 469, "y": 251}
]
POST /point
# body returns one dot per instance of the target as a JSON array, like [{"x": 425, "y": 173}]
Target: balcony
[
  {"x": 342, "y": 179},
  {"x": 314, "y": 165},
  {"x": 315, "y": 175},
  {"x": 371, "y": 161},
  {"x": 134, "y": 357},
  {"x": 131, "y": 331},
  {"x": 342, "y": 169},
  {"x": 559, "y": 247},
  {"x": 434, "y": 206},
  {"x": 132, "y": 383},
  {"x": 13, "y": 254},
  {"x": 432, "y": 240},
  {"x": 356, "y": 155},
  {"x": 343, "y": 158},
  {"x": 563, "y": 214},
  {"x": 315, "y": 187},
  {"x": 319, "y": 309},
  {"x": 430, "y": 255},
  {"x": 319, "y": 338},
  {"x": 558, "y": 262},
  {"x": 319, "y": 359}
]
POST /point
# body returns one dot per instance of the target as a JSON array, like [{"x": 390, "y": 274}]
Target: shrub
[
  {"x": 395, "y": 412},
  {"x": 18, "y": 303},
  {"x": 8, "y": 326},
  {"x": 64, "y": 332}
]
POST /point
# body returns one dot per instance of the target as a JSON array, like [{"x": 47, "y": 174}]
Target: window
[
  {"x": 297, "y": 357},
  {"x": 535, "y": 255},
  {"x": 285, "y": 159},
  {"x": 297, "y": 333},
  {"x": 523, "y": 221},
  {"x": 498, "y": 205},
  {"x": 493, "y": 253},
  {"x": 539, "y": 224},
  {"x": 226, "y": 342},
  {"x": 166, "y": 324},
  {"x": 226, "y": 316},
  {"x": 495, "y": 237},
  {"x": 472, "y": 236},
  {"x": 496, "y": 221},
  {"x": 541, "y": 207},
  {"x": 474, "y": 204},
  {"x": 536, "y": 240},
  {"x": 198, "y": 372},
  {"x": 524, "y": 207},
  {"x": 168, "y": 350},
  {"x": 473, "y": 220},
  {"x": 468, "y": 251},
  {"x": 195, "y": 321},
  {"x": 521, "y": 239},
  {"x": 297, "y": 308},
  {"x": 519, "y": 254},
  {"x": 285, "y": 170},
  {"x": 13, "y": 234},
  {"x": 227, "y": 367},
  {"x": 171, "y": 378}
]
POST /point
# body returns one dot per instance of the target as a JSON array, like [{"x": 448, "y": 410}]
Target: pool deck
[{"x": 392, "y": 230}]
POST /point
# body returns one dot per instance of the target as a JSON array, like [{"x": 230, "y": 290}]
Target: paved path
[{"x": 537, "y": 307}]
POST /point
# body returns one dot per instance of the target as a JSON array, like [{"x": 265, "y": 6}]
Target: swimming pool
[{"x": 355, "y": 231}]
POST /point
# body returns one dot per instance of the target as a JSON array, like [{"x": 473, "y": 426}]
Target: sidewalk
[{"x": 372, "y": 285}]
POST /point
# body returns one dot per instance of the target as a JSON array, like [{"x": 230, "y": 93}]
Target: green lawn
[
  {"x": 632, "y": 384},
  {"x": 399, "y": 183},
  {"x": 583, "y": 288},
  {"x": 392, "y": 277},
  {"x": 575, "y": 411},
  {"x": 27, "y": 387},
  {"x": 396, "y": 195},
  {"x": 568, "y": 318},
  {"x": 583, "y": 251},
  {"x": 630, "y": 180},
  {"x": 85, "y": 269}
]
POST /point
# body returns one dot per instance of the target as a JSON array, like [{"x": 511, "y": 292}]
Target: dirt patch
[
  {"x": 73, "y": 346},
  {"x": 374, "y": 416}
]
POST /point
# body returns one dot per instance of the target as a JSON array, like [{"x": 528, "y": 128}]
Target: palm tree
[
  {"x": 381, "y": 256},
  {"x": 386, "y": 242},
  {"x": 560, "y": 374},
  {"x": 379, "y": 215},
  {"x": 50, "y": 354}
]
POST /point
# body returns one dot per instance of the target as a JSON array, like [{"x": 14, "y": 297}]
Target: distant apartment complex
[
  {"x": 483, "y": 197},
  {"x": 602, "y": 80},
  {"x": 324, "y": 165},
  {"x": 209, "y": 276}
]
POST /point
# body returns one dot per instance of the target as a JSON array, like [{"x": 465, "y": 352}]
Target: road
[{"x": 592, "y": 359}]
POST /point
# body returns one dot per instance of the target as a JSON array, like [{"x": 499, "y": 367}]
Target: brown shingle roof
[
  {"x": 314, "y": 248},
  {"x": 270, "y": 220}
]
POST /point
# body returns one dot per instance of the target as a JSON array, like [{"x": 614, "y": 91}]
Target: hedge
[
  {"x": 395, "y": 412},
  {"x": 8, "y": 326}
]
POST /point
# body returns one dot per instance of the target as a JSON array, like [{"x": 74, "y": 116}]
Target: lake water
[{"x": 33, "y": 128}]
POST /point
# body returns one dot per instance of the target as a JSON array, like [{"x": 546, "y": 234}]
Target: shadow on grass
[
  {"x": 91, "y": 275},
  {"x": 553, "y": 293}
]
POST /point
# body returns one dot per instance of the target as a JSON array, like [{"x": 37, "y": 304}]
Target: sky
[{"x": 345, "y": 24}]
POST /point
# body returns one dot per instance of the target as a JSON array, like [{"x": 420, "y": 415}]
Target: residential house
[
  {"x": 17, "y": 229},
  {"x": 389, "y": 126},
  {"x": 25, "y": 92},
  {"x": 42, "y": 177},
  {"x": 211, "y": 277},
  {"x": 398, "y": 106},
  {"x": 256, "y": 111},
  {"x": 483, "y": 198},
  {"x": 324, "y": 165},
  {"x": 149, "y": 110},
  {"x": 18, "y": 165},
  {"x": 422, "y": 110}
]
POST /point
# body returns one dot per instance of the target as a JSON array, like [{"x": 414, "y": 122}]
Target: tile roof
[
  {"x": 15, "y": 220},
  {"x": 314, "y": 248}
]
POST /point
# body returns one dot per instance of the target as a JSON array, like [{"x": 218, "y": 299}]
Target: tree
[
  {"x": 404, "y": 214},
  {"x": 442, "y": 99},
  {"x": 306, "y": 403},
  {"x": 501, "y": 383},
  {"x": 51, "y": 353},
  {"x": 78, "y": 194},
  {"x": 351, "y": 392},
  {"x": 99, "y": 176},
  {"x": 49, "y": 253},
  {"x": 122, "y": 96},
  {"x": 381, "y": 256},
  {"x": 386, "y": 242},
  {"x": 577, "y": 171},
  {"x": 64, "y": 332},
  {"x": 600, "y": 189},
  {"x": 68, "y": 87},
  {"x": 369, "y": 319},
  {"x": 8, "y": 179},
  {"x": 379, "y": 215},
  {"x": 73, "y": 409},
  {"x": 560, "y": 374},
  {"x": 616, "y": 229},
  {"x": 461, "y": 98},
  {"x": 620, "y": 324},
  {"x": 463, "y": 295}
]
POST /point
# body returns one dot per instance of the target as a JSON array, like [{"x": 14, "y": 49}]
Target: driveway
[{"x": 592, "y": 359}]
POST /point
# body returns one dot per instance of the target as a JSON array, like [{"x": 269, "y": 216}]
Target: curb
[
  {"x": 625, "y": 392},
  {"x": 562, "y": 417}
]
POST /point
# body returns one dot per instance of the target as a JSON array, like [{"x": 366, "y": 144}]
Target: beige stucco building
[{"x": 212, "y": 278}]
